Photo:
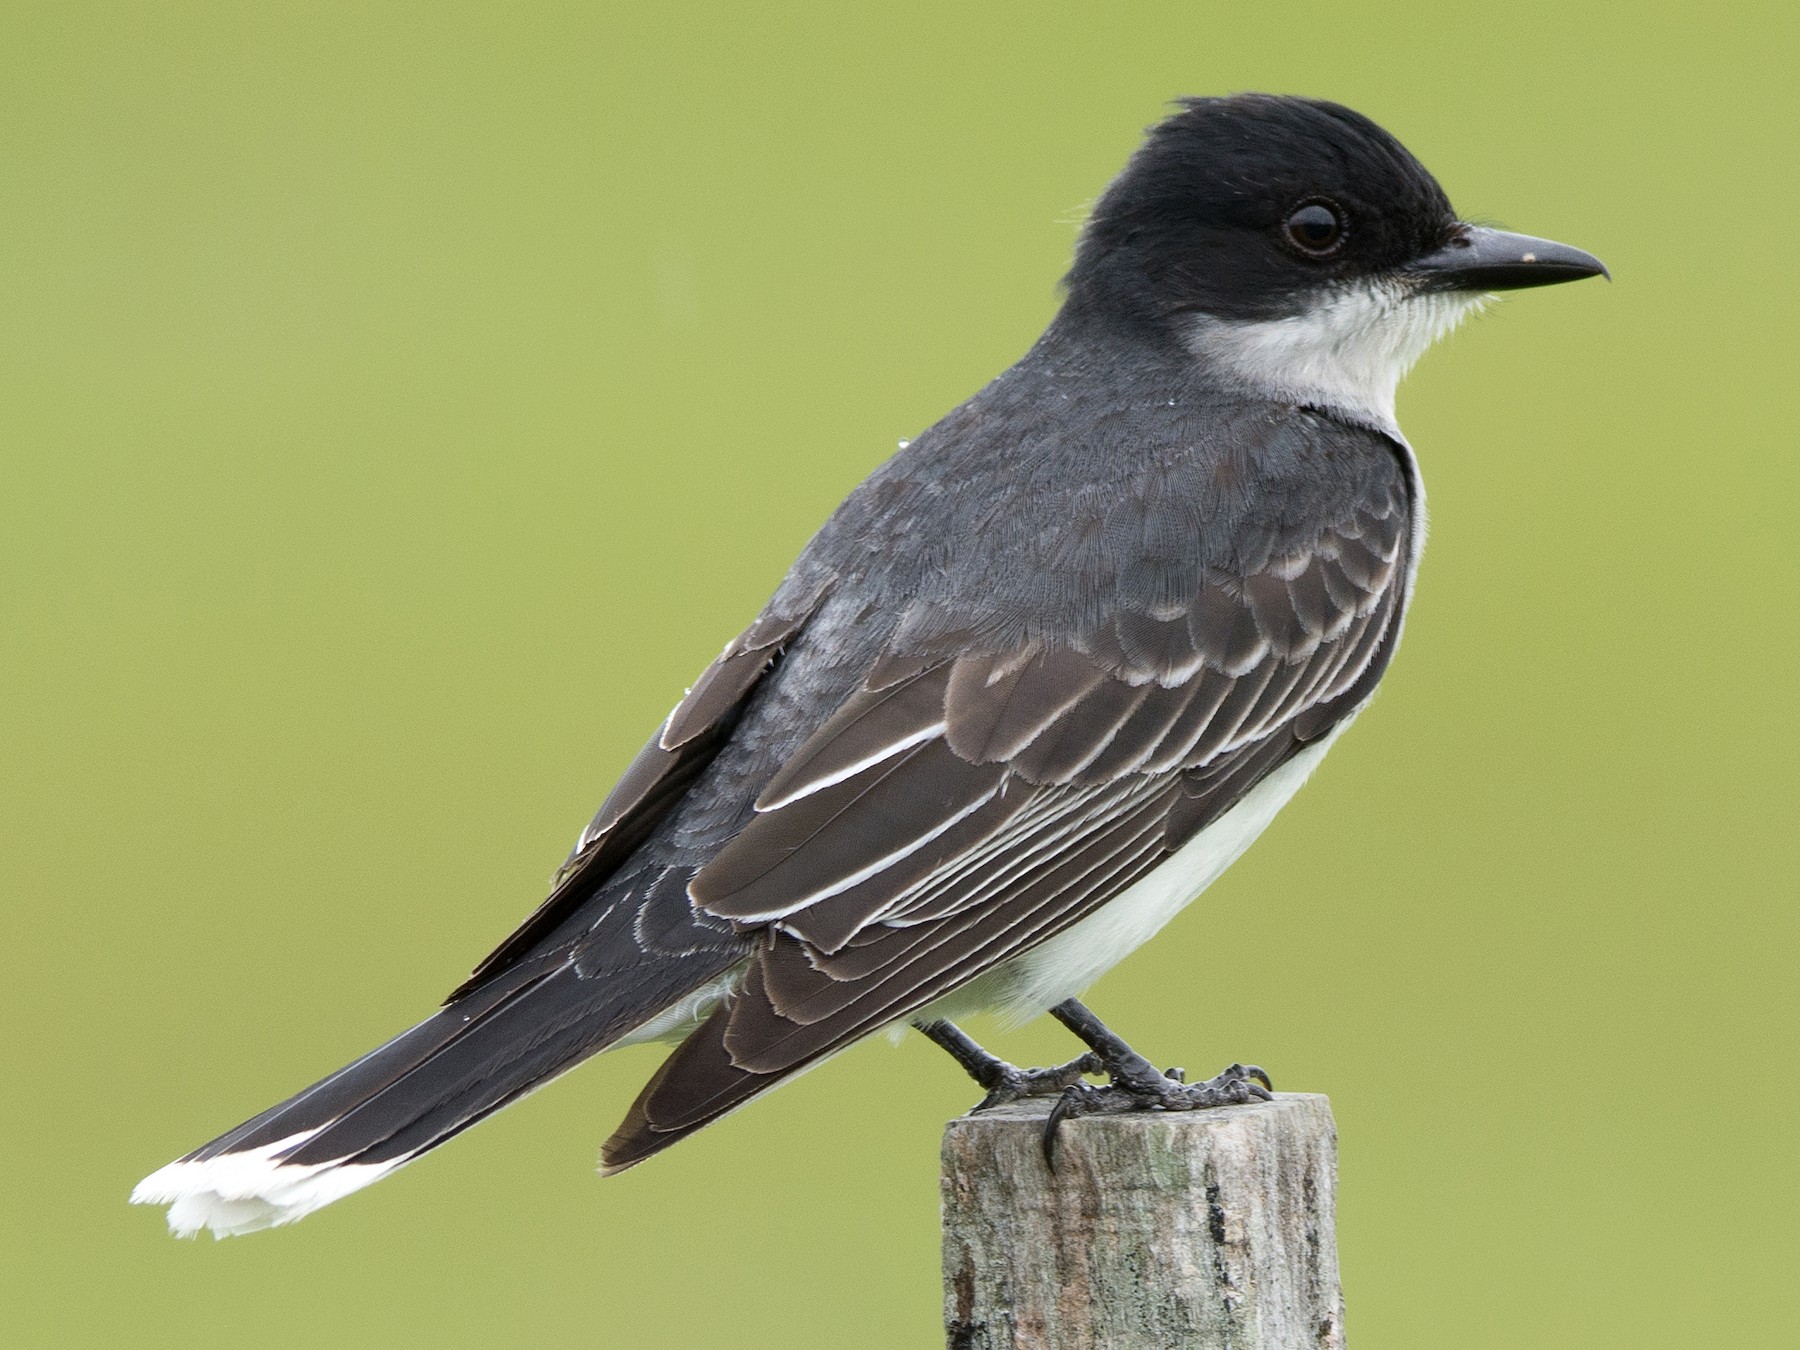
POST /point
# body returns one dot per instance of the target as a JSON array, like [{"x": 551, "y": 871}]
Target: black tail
[{"x": 489, "y": 1047}]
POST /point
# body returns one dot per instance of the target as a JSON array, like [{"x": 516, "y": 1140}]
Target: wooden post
[{"x": 1201, "y": 1230}]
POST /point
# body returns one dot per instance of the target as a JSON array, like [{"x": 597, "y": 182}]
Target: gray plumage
[
  {"x": 1109, "y": 583},
  {"x": 1029, "y": 661}
]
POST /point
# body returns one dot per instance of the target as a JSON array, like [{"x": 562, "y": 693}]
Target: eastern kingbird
[{"x": 1037, "y": 682}]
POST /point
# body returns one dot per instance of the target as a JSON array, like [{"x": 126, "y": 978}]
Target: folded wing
[{"x": 958, "y": 809}]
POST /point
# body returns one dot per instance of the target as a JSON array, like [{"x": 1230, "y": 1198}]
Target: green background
[{"x": 402, "y": 403}]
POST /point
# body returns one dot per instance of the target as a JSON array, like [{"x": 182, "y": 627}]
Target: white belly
[{"x": 1068, "y": 963}]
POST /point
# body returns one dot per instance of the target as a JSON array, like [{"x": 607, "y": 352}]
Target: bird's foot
[
  {"x": 1139, "y": 1087},
  {"x": 1008, "y": 1083}
]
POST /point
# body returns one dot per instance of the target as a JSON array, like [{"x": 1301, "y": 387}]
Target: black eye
[{"x": 1316, "y": 229}]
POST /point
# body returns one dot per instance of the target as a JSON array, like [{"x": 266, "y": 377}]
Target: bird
[{"x": 1032, "y": 687}]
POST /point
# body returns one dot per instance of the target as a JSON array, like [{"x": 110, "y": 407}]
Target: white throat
[{"x": 1348, "y": 352}]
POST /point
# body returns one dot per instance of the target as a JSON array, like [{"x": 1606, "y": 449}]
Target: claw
[
  {"x": 1241, "y": 1073},
  {"x": 1067, "y": 1106},
  {"x": 1255, "y": 1071}
]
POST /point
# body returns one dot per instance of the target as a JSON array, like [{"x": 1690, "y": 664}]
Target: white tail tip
[{"x": 242, "y": 1192}]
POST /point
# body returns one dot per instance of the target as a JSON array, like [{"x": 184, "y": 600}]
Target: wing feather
[
  {"x": 997, "y": 709},
  {"x": 654, "y": 781},
  {"x": 836, "y": 836},
  {"x": 874, "y": 725},
  {"x": 1078, "y": 736},
  {"x": 971, "y": 801}
]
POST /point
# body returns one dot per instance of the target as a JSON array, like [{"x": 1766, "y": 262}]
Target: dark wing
[
  {"x": 659, "y": 776},
  {"x": 955, "y": 812}
]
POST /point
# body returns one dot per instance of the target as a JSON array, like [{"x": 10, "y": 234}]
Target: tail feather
[{"x": 466, "y": 1061}]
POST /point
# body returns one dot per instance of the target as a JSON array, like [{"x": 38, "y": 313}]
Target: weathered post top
[{"x": 1196, "y": 1229}]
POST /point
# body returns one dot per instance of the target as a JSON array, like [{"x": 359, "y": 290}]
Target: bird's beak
[{"x": 1480, "y": 259}]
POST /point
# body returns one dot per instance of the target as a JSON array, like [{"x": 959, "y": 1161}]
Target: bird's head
[{"x": 1297, "y": 248}]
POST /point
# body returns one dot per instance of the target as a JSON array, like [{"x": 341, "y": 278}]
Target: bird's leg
[
  {"x": 1006, "y": 1082},
  {"x": 1136, "y": 1083}
]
